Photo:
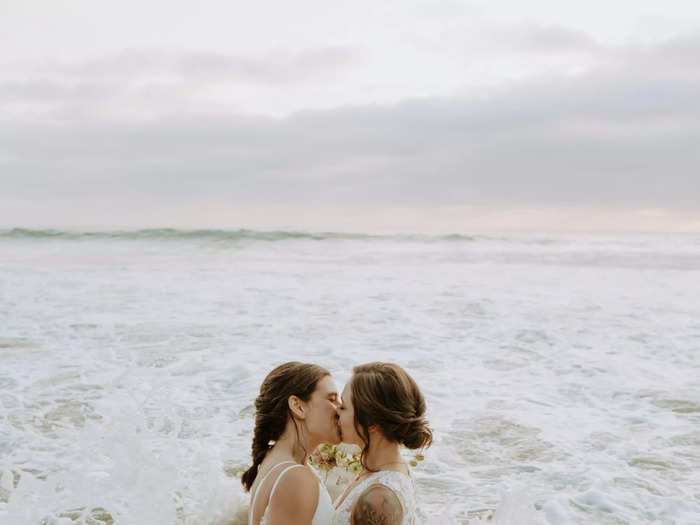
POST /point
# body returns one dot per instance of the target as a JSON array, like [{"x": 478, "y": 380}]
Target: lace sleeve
[{"x": 404, "y": 488}]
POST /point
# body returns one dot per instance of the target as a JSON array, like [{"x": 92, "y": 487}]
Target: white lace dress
[{"x": 400, "y": 483}]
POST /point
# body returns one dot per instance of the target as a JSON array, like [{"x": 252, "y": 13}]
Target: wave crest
[{"x": 165, "y": 234}]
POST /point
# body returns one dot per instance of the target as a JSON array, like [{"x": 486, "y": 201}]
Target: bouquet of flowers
[
  {"x": 327, "y": 457},
  {"x": 342, "y": 462}
]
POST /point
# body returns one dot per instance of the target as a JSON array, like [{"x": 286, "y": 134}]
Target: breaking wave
[{"x": 220, "y": 235}]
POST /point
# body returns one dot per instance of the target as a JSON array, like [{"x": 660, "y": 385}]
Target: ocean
[{"x": 561, "y": 371}]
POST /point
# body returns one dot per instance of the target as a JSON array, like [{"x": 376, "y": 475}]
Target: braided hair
[{"x": 272, "y": 408}]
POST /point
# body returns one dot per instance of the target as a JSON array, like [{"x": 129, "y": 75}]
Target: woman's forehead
[{"x": 326, "y": 386}]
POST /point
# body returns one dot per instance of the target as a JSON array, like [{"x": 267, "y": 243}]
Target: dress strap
[
  {"x": 284, "y": 471},
  {"x": 257, "y": 489}
]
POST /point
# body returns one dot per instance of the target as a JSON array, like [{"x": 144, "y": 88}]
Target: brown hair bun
[{"x": 383, "y": 394}]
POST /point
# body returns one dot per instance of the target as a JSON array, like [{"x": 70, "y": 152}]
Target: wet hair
[
  {"x": 383, "y": 394},
  {"x": 378, "y": 505},
  {"x": 272, "y": 408}
]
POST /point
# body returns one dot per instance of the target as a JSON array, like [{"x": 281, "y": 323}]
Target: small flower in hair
[{"x": 416, "y": 459}]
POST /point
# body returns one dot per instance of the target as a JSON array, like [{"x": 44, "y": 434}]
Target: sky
[{"x": 406, "y": 115}]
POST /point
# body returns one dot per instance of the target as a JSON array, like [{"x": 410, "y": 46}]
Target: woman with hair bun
[
  {"x": 295, "y": 412},
  {"x": 382, "y": 410}
]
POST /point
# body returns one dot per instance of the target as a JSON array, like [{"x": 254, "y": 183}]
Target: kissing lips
[{"x": 339, "y": 430}]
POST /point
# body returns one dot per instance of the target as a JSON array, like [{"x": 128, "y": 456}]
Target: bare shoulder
[
  {"x": 302, "y": 474},
  {"x": 377, "y": 505},
  {"x": 295, "y": 498}
]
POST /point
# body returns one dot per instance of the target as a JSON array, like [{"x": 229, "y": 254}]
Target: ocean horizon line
[
  {"x": 281, "y": 234},
  {"x": 171, "y": 233}
]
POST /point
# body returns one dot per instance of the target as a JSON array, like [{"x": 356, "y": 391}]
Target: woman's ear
[{"x": 297, "y": 406}]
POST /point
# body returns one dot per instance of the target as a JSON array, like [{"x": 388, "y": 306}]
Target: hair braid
[{"x": 272, "y": 411}]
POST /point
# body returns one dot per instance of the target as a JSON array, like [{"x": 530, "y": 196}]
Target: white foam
[{"x": 568, "y": 367}]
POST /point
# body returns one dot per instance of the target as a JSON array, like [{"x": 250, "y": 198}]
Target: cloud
[
  {"x": 271, "y": 67},
  {"x": 275, "y": 68},
  {"x": 623, "y": 134},
  {"x": 476, "y": 37},
  {"x": 530, "y": 37},
  {"x": 149, "y": 82}
]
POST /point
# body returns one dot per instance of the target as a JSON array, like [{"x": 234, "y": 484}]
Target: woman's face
[
  {"x": 346, "y": 421},
  {"x": 322, "y": 415}
]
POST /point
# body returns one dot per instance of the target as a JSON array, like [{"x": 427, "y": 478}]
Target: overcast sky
[{"x": 364, "y": 116}]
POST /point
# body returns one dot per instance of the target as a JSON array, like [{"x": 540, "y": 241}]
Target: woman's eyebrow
[{"x": 333, "y": 395}]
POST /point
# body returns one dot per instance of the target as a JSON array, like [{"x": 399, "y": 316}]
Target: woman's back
[{"x": 263, "y": 492}]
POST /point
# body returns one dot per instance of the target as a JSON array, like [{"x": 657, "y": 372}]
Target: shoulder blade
[
  {"x": 295, "y": 499},
  {"x": 377, "y": 505}
]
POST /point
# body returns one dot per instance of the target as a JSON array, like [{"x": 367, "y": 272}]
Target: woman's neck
[
  {"x": 289, "y": 448},
  {"x": 384, "y": 454}
]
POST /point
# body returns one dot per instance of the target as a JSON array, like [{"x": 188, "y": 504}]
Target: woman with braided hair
[
  {"x": 382, "y": 410},
  {"x": 295, "y": 411}
]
